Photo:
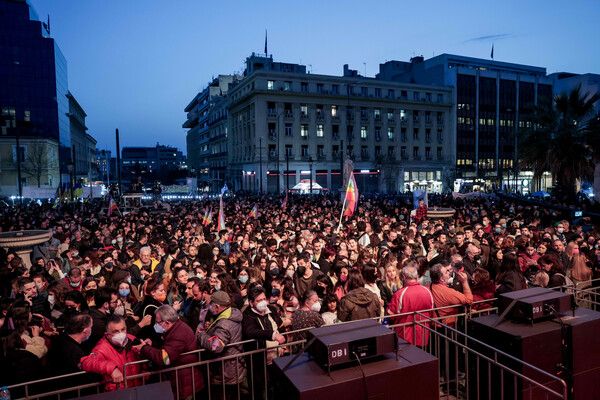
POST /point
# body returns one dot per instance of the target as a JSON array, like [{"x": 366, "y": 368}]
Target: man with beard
[{"x": 106, "y": 300}]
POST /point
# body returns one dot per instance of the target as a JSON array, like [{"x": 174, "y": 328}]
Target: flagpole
[{"x": 342, "y": 216}]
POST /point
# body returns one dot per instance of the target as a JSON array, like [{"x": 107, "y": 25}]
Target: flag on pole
[
  {"x": 254, "y": 212},
  {"x": 351, "y": 199},
  {"x": 207, "y": 217},
  {"x": 78, "y": 190},
  {"x": 492, "y": 55},
  {"x": 284, "y": 204},
  {"x": 56, "y": 202},
  {"x": 221, "y": 214},
  {"x": 112, "y": 206},
  {"x": 266, "y": 42},
  {"x": 224, "y": 189}
]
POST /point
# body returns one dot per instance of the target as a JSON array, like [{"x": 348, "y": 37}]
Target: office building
[
  {"x": 565, "y": 82},
  {"x": 164, "y": 163},
  {"x": 199, "y": 114},
  {"x": 490, "y": 104},
  {"x": 83, "y": 145},
  {"x": 286, "y": 125}
]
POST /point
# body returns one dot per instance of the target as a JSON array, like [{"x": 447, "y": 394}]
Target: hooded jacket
[
  {"x": 105, "y": 357},
  {"x": 359, "y": 303},
  {"x": 224, "y": 330}
]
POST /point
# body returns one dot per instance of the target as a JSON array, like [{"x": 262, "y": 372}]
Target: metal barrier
[{"x": 257, "y": 385}]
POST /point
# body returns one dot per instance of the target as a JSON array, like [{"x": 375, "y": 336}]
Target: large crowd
[{"x": 155, "y": 284}]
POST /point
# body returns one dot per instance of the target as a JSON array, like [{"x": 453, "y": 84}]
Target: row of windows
[
  {"x": 364, "y": 152},
  {"x": 350, "y": 90},
  {"x": 335, "y": 133},
  {"x": 485, "y": 163}
]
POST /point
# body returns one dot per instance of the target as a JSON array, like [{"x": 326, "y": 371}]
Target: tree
[
  {"x": 39, "y": 161},
  {"x": 562, "y": 140}
]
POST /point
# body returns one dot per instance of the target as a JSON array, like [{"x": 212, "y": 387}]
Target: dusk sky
[{"x": 135, "y": 65}]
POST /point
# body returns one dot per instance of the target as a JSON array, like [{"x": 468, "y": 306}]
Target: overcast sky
[{"x": 136, "y": 64}]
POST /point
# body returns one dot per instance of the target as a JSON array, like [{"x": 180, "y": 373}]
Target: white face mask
[
  {"x": 262, "y": 306},
  {"x": 120, "y": 310},
  {"x": 289, "y": 273},
  {"x": 561, "y": 230},
  {"x": 316, "y": 307},
  {"x": 119, "y": 339}
]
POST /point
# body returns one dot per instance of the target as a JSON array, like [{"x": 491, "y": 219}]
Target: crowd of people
[{"x": 105, "y": 291}]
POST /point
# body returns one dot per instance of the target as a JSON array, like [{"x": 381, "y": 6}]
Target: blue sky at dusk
[{"x": 135, "y": 65}]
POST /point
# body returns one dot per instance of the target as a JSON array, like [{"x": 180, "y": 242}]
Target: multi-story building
[
  {"x": 199, "y": 135},
  {"x": 152, "y": 163},
  {"x": 83, "y": 145},
  {"x": 287, "y": 125},
  {"x": 218, "y": 127},
  {"x": 589, "y": 84},
  {"x": 490, "y": 104},
  {"x": 107, "y": 166}
]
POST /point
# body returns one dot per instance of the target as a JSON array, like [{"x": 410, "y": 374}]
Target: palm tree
[{"x": 562, "y": 140}]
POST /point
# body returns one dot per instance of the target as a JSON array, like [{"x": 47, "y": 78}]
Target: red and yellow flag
[{"x": 254, "y": 212}]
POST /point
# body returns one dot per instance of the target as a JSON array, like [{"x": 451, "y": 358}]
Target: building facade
[
  {"x": 287, "y": 126},
  {"x": 218, "y": 128},
  {"x": 490, "y": 104},
  {"x": 161, "y": 162},
  {"x": 199, "y": 115},
  {"x": 83, "y": 145}
]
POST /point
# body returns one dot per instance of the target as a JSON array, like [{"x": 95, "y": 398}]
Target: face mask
[
  {"x": 158, "y": 328},
  {"x": 129, "y": 279},
  {"x": 275, "y": 271},
  {"x": 39, "y": 285},
  {"x": 75, "y": 255},
  {"x": 261, "y": 306},
  {"x": 74, "y": 284},
  {"x": 162, "y": 297},
  {"x": 114, "y": 242},
  {"x": 316, "y": 307},
  {"x": 120, "y": 310},
  {"x": 51, "y": 299},
  {"x": 243, "y": 279},
  {"x": 498, "y": 230},
  {"x": 343, "y": 278},
  {"x": 119, "y": 239},
  {"x": 119, "y": 339},
  {"x": 504, "y": 225},
  {"x": 275, "y": 292},
  {"x": 217, "y": 288},
  {"x": 561, "y": 230},
  {"x": 123, "y": 292},
  {"x": 289, "y": 273},
  {"x": 109, "y": 265}
]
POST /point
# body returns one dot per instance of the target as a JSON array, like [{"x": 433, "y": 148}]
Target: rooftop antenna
[
  {"x": 266, "y": 52},
  {"x": 310, "y": 65},
  {"x": 365, "y": 65}
]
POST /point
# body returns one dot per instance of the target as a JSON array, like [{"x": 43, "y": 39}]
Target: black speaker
[
  {"x": 162, "y": 391},
  {"x": 413, "y": 376},
  {"x": 539, "y": 345}
]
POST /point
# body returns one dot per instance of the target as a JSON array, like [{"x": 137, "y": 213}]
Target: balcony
[
  {"x": 335, "y": 118},
  {"x": 378, "y": 138},
  {"x": 440, "y": 122},
  {"x": 272, "y": 137},
  {"x": 378, "y": 118},
  {"x": 304, "y": 117},
  {"x": 404, "y": 157},
  {"x": 335, "y": 136},
  {"x": 335, "y": 154},
  {"x": 364, "y": 118},
  {"x": 416, "y": 120},
  {"x": 305, "y": 137},
  {"x": 320, "y": 116},
  {"x": 391, "y": 120},
  {"x": 403, "y": 122},
  {"x": 321, "y": 157},
  {"x": 428, "y": 122},
  {"x": 288, "y": 114},
  {"x": 428, "y": 140}
]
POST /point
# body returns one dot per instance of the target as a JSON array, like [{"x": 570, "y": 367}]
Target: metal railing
[{"x": 257, "y": 385}]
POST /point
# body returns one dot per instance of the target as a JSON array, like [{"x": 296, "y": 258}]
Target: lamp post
[
  {"x": 70, "y": 168},
  {"x": 17, "y": 134},
  {"x": 260, "y": 159},
  {"x": 310, "y": 164},
  {"x": 287, "y": 175}
]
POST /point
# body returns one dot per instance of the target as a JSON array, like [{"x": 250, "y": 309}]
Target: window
[
  {"x": 402, "y": 115},
  {"x": 320, "y": 110},
  {"x": 403, "y": 134},
  {"x": 334, "y": 111},
  {"x": 349, "y": 132},
  {"x": 439, "y": 153},
  {"x": 272, "y": 151},
  {"x": 304, "y": 87},
  {"x": 428, "y": 96},
  {"x": 320, "y": 130},
  {"x": 440, "y": 136},
  {"x": 288, "y": 130},
  {"x": 403, "y": 153},
  {"x": 391, "y": 133},
  {"x": 415, "y": 133},
  {"x": 304, "y": 110},
  {"x": 391, "y": 151},
  {"x": 335, "y": 89},
  {"x": 378, "y": 133},
  {"x": 415, "y": 117},
  {"x": 335, "y": 151},
  {"x": 440, "y": 98},
  {"x": 304, "y": 130},
  {"x": 22, "y": 153},
  {"x": 319, "y": 88},
  {"x": 440, "y": 117},
  {"x": 287, "y": 108},
  {"x": 481, "y": 121},
  {"x": 377, "y": 92},
  {"x": 320, "y": 150},
  {"x": 364, "y": 152},
  {"x": 287, "y": 86},
  {"x": 335, "y": 132},
  {"x": 428, "y": 135},
  {"x": 363, "y": 132},
  {"x": 305, "y": 150},
  {"x": 427, "y": 117},
  {"x": 271, "y": 107},
  {"x": 270, "y": 85},
  {"x": 377, "y": 151},
  {"x": 377, "y": 113},
  {"x": 27, "y": 116},
  {"x": 428, "y": 153},
  {"x": 272, "y": 130},
  {"x": 364, "y": 113},
  {"x": 364, "y": 91},
  {"x": 288, "y": 150},
  {"x": 390, "y": 93},
  {"x": 349, "y": 113},
  {"x": 415, "y": 152},
  {"x": 403, "y": 94},
  {"x": 416, "y": 96},
  {"x": 390, "y": 115}
]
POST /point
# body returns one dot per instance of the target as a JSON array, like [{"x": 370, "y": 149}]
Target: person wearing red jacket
[{"x": 111, "y": 354}]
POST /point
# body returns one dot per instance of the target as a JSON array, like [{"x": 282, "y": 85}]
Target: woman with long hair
[
  {"x": 509, "y": 278},
  {"x": 370, "y": 276},
  {"x": 555, "y": 269},
  {"x": 341, "y": 273},
  {"x": 360, "y": 302},
  {"x": 390, "y": 283}
]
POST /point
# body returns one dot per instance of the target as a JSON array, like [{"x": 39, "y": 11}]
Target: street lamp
[
  {"x": 310, "y": 164},
  {"x": 71, "y": 168},
  {"x": 260, "y": 158}
]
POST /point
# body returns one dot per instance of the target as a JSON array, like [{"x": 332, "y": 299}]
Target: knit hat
[{"x": 220, "y": 297}]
